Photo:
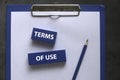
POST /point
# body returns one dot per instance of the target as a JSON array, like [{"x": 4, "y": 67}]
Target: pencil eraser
[
  {"x": 44, "y": 35},
  {"x": 47, "y": 57}
]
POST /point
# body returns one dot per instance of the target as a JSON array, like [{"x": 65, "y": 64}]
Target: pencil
[{"x": 80, "y": 60}]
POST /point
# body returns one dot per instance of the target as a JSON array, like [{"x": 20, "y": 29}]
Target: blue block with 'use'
[
  {"x": 47, "y": 57},
  {"x": 44, "y": 35}
]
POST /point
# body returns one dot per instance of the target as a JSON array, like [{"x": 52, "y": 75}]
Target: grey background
[{"x": 112, "y": 32}]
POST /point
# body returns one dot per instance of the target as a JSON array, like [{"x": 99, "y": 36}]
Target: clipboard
[{"x": 89, "y": 23}]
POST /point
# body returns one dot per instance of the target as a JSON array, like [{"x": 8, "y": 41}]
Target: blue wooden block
[
  {"x": 44, "y": 35},
  {"x": 47, "y": 57}
]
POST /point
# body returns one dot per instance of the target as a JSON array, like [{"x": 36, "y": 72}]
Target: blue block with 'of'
[{"x": 47, "y": 57}]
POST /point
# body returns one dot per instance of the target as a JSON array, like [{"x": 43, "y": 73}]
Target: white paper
[{"x": 72, "y": 33}]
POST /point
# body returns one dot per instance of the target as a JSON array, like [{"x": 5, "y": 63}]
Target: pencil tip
[{"x": 86, "y": 42}]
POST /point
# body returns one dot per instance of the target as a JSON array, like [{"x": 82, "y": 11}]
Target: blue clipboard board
[{"x": 84, "y": 8}]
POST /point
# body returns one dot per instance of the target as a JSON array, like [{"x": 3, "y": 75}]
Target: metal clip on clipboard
[{"x": 55, "y": 10}]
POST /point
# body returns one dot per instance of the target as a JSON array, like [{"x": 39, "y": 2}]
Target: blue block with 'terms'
[{"x": 44, "y": 35}]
